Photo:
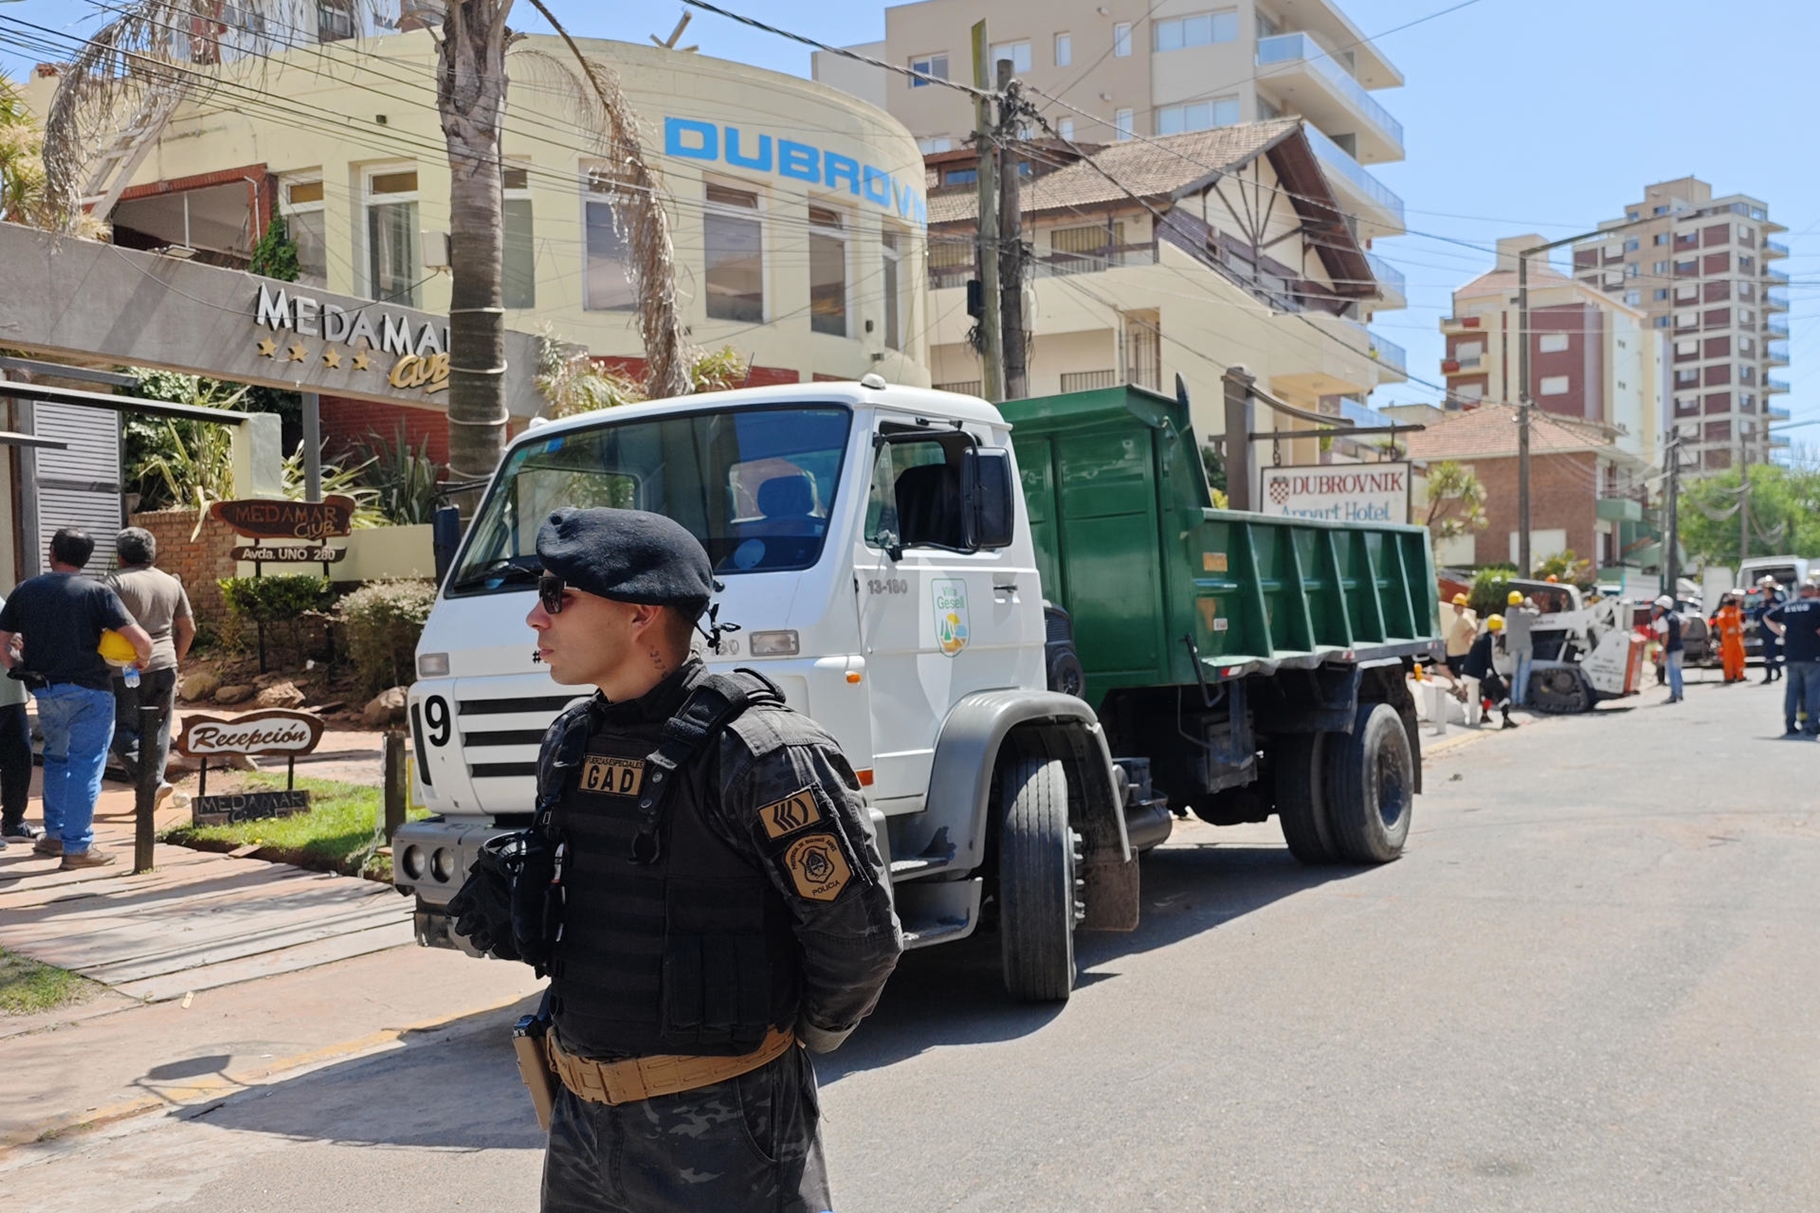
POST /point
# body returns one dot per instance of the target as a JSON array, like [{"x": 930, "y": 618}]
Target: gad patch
[
  {"x": 817, "y": 868},
  {"x": 613, "y": 776},
  {"x": 790, "y": 814}
]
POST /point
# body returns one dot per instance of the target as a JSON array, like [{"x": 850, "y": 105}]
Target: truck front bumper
[{"x": 430, "y": 859}]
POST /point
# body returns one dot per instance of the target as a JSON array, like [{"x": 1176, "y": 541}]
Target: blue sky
[{"x": 1520, "y": 115}]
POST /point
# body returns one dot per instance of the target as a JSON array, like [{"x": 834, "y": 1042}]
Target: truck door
[{"x": 941, "y": 615}]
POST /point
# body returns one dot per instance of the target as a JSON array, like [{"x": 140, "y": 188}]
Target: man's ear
[{"x": 644, "y": 617}]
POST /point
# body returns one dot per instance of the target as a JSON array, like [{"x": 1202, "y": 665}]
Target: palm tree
[{"x": 157, "y": 46}]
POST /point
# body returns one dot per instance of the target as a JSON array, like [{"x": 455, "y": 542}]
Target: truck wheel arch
[{"x": 988, "y": 725}]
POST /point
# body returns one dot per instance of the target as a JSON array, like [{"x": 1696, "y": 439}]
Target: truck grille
[{"x": 476, "y": 715}]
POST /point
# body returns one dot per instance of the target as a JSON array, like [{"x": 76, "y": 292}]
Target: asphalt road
[{"x": 1590, "y": 984}]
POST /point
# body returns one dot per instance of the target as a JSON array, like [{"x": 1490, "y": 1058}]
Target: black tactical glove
[
  {"x": 536, "y": 901},
  {"x": 482, "y": 910}
]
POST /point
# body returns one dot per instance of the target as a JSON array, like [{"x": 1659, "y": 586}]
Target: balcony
[
  {"x": 1379, "y": 211},
  {"x": 1620, "y": 509},
  {"x": 1355, "y": 413},
  {"x": 1778, "y": 442},
  {"x": 1773, "y": 249},
  {"x": 1776, "y": 352},
  {"x": 1775, "y": 414},
  {"x": 1773, "y": 385},
  {"x": 1775, "y": 326},
  {"x": 1310, "y": 81},
  {"x": 1776, "y": 276},
  {"x": 1381, "y": 349},
  {"x": 1775, "y": 299},
  {"x": 1064, "y": 265},
  {"x": 1392, "y": 289}
]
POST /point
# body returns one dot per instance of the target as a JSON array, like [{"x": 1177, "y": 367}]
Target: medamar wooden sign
[
  {"x": 268, "y": 731},
  {"x": 263, "y": 518}
]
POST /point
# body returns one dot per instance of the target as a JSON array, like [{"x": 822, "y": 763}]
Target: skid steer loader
[{"x": 1584, "y": 653}]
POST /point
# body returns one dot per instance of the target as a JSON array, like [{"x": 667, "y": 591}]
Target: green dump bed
[{"x": 1128, "y": 543}]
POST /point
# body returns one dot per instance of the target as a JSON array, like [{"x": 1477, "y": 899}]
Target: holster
[{"x": 534, "y": 1061}]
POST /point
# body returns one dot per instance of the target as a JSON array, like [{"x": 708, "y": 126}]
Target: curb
[{"x": 220, "y": 1086}]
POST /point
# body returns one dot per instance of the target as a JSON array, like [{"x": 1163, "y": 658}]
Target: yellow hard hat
[
  {"x": 1494, "y": 623},
  {"x": 116, "y": 649},
  {"x": 1459, "y": 600},
  {"x": 1515, "y": 598}
]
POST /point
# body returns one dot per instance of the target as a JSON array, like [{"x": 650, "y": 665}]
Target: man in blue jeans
[
  {"x": 57, "y": 618},
  {"x": 1798, "y": 624}
]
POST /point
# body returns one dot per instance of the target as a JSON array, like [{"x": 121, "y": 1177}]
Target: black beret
[{"x": 628, "y": 556}]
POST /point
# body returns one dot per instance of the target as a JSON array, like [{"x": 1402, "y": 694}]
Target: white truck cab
[{"x": 875, "y": 554}]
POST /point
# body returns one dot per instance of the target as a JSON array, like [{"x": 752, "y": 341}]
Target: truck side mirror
[
  {"x": 445, "y": 537},
  {"x": 988, "y": 494}
]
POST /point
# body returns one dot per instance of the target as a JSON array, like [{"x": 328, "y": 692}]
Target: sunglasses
[{"x": 549, "y": 591}]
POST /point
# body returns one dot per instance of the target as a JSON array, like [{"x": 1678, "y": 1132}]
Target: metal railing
[
  {"x": 1774, "y": 248},
  {"x": 1776, "y": 325},
  {"x": 1389, "y": 277},
  {"x": 1087, "y": 381},
  {"x": 1336, "y": 159},
  {"x": 1771, "y": 274},
  {"x": 1055, "y": 265},
  {"x": 966, "y": 387},
  {"x": 1288, "y": 48},
  {"x": 1773, "y": 383}
]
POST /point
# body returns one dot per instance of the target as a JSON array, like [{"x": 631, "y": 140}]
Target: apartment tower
[{"x": 1700, "y": 268}]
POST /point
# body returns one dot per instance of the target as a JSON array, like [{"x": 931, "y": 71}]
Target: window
[
  {"x": 733, "y": 240},
  {"x": 1659, "y": 238},
  {"x": 1065, "y": 128},
  {"x": 1632, "y": 245},
  {"x": 1687, "y": 377},
  {"x": 519, "y": 276},
  {"x": 1689, "y": 348},
  {"x": 1661, "y": 322},
  {"x": 1631, "y": 270},
  {"x": 891, "y": 248},
  {"x": 1634, "y": 298},
  {"x": 301, "y": 206},
  {"x": 334, "y": 20},
  {"x": 1064, "y": 50},
  {"x": 1017, "y": 52},
  {"x": 827, "y": 272},
  {"x": 940, "y": 143},
  {"x": 1197, "y": 116},
  {"x": 929, "y": 65},
  {"x": 1687, "y": 268},
  {"x": 1660, "y": 267},
  {"x": 1121, "y": 40},
  {"x": 1554, "y": 385},
  {"x": 1122, "y": 121},
  {"x": 1659, "y": 294},
  {"x": 1468, "y": 353},
  {"x": 1687, "y": 406},
  {"x": 1470, "y": 392},
  {"x": 1552, "y": 343},
  {"x": 607, "y": 272},
  {"x": 1633, "y": 216},
  {"x": 1687, "y": 320},
  {"x": 1202, "y": 29},
  {"x": 960, "y": 176},
  {"x": 391, "y": 234}
]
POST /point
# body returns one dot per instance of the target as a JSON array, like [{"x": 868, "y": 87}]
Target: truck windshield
[{"x": 754, "y": 485}]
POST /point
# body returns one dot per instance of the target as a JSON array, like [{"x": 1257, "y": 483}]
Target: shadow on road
[{"x": 459, "y": 1088}]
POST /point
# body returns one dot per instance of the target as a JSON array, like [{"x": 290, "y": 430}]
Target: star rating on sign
[
  {"x": 331, "y": 357},
  {"x": 298, "y": 353},
  {"x": 361, "y": 360},
  {"x": 267, "y": 348}
]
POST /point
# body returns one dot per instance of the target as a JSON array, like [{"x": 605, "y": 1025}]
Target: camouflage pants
[{"x": 750, "y": 1143}]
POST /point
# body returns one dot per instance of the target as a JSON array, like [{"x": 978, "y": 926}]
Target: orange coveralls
[{"x": 1728, "y": 625}]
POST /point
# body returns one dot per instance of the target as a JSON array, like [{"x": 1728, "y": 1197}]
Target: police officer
[
  {"x": 718, "y": 919},
  {"x": 1797, "y": 625}
]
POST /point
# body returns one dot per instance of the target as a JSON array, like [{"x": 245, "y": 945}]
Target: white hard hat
[
  {"x": 1666, "y": 603},
  {"x": 1767, "y": 580}
]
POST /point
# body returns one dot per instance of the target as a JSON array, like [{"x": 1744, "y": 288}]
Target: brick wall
[
  {"x": 348, "y": 422},
  {"x": 1561, "y": 497},
  {"x": 201, "y": 564}
]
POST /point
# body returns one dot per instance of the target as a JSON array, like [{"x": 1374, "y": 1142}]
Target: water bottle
[{"x": 131, "y": 675}]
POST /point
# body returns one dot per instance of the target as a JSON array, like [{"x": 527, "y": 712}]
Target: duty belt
[{"x": 617, "y": 1082}]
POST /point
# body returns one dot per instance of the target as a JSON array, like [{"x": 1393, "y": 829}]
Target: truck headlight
[
  {"x": 412, "y": 862},
  {"x": 774, "y": 644},
  {"x": 433, "y": 665}
]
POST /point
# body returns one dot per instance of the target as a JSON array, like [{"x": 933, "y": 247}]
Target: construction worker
[
  {"x": 1462, "y": 629},
  {"x": 1727, "y": 623},
  {"x": 1770, "y": 597},
  {"x": 1478, "y": 664},
  {"x": 1519, "y": 617},
  {"x": 1668, "y": 627}
]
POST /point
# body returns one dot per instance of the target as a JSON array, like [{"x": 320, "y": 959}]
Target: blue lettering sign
[
  {"x": 878, "y": 186},
  {"x": 707, "y": 136},
  {"x": 761, "y": 162},
  {"x": 837, "y": 168},
  {"x": 798, "y": 160}
]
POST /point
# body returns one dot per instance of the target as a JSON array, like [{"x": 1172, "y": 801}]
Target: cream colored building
[
  {"x": 1700, "y": 268},
  {"x": 1592, "y": 357},
  {"x": 1130, "y": 68},
  {"x": 1250, "y": 264},
  {"x": 797, "y": 211}
]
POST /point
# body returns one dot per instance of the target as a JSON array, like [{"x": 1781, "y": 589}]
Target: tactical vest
[{"x": 690, "y": 951}]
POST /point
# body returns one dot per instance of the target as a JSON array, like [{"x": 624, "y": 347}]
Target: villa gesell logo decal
[
  {"x": 691, "y": 139},
  {"x": 951, "y": 623},
  {"x": 420, "y": 358}
]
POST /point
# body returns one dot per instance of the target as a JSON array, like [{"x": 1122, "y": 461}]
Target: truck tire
[
  {"x": 1301, "y": 797},
  {"x": 1370, "y": 783},
  {"x": 1036, "y": 881},
  {"x": 1065, "y": 673}
]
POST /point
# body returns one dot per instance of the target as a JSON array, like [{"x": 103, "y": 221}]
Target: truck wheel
[
  {"x": 1370, "y": 784},
  {"x": 1065, "y": 672},
  {"x": 1036, "y": 881},
  {"x": 1301, "y": 797}
]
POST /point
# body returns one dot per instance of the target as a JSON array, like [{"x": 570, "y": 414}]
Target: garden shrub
[
  {"x": 285, "y": 604},
  {"x": 380, "y": 624}
]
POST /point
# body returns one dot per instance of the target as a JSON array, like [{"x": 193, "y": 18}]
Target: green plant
[
  {"x": 180, "y": 463},
  {"x": 1567, "y": 568},
  {"x": 718, "y": 370},
  {"x": 404, "y": 479},
  {"x": 573, "y": 382},
  {"x": 282, "y": 602},
  {"x": 1215, "y": 467},
  {"x": 337, "y": 481},
  {"x": 275, "y": 255},
  {"x": 1490, "y": 591},
  {"x": 1456, "y": 501},
  {"x": 380, "y": 623}
]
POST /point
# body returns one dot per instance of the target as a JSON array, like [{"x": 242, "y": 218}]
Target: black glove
[
  {"x": 482, "y": 909},
  {"x": 536, "y": 901}
]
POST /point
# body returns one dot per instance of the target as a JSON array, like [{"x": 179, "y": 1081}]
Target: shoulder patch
[
  {"x": 792, "y": 813},
  {"x": 817, "y": 867}
]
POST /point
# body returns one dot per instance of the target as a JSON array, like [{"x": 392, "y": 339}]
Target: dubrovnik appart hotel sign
[
  {"x": 690, "y": 139},
  {"x": 350, "y": 337}
]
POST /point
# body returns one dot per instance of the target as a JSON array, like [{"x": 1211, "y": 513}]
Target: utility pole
[
  {"x": 1523, "y": 413},
  {"x": 1671, "y": 563},
  {"x": 992, "y": 337},
  {"x": 1743, "y": 496},
  {"x": 1013, "y": 346}
]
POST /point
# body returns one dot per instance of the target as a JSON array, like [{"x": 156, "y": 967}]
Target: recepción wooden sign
[
  {"x": 289, "y": 554},
  {"x": 266, "y": 731},
  {"x": 259, "y": 518},
  {"x": 247, "y": 806}
]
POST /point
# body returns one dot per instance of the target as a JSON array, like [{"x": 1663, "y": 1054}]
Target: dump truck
[{"x": 1030, "y": 632}]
